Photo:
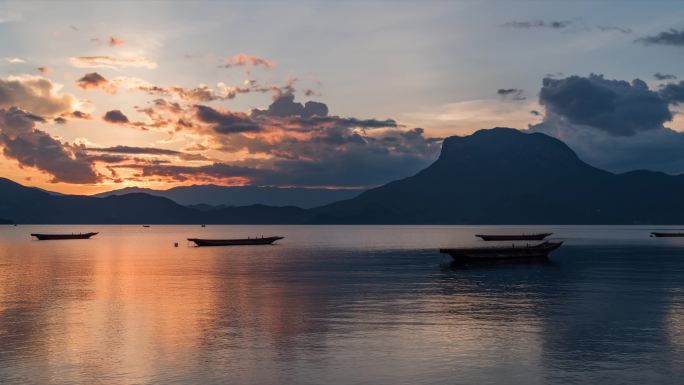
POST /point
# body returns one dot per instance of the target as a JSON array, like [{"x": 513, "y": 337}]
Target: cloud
[
  {"x": 226, "y": 122},
  {"x": 78, "y": 115},
  {"x": 34, "y": 94},
  {"x": 513, "y": 93},
  {"x": 313, "y": 114},
  {"x": 31, "y": 147},
  {"x": 132, "y": 150},
  {"x": 116, "y": 117},
  {"x": 43, "y": 70},
  {"x": 112, "y": 62},
  {"x": 93, "y": 80},
  {"x": 672, "y": 37},
  {"x": 673, "y": 92},
  {"x": 527, "y": 24},
  {"x": 616, "y": 107},
  {"x": 284, "y": 105},
  {"x": 242, "y": 59},
  {"x": 613, "y": 124},
  {"x": 609, "y": 28},
  {"x": 660, "y": 76},
  {"x": 289, "y": 144},
  {"x": 15, "y": 60},
  {"x": 116, "y": 41}
]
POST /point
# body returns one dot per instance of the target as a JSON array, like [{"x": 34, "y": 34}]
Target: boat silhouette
[
  {"x": 513, "y": 237},
  {"x": 46, "y": 237},
  {"x": 234, "y": 242},
  {"x": 541, "y": 250}
]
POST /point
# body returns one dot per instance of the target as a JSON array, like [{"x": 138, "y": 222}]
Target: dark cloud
[
  {"x": 93, "y": 80},
  {"x": 31, "y": 147},
  {"x": 527, "y": 24},
  {"x": 673, "y": 92},
  {"x": 513, "y": 93},
  {"x": 134, "y": 150},
  {"x": 615, "y": 125},
  {"x": 535, "y": 112},
  {"x": 215, "y": 171},
  {"x": 115, "y": 116},
  {"x": 672, "y": 37},
  {"x": 60, "y": 120},
  {"x": 617, "y": 107},
  {"x": 79, "y": 115},
  {"x": 660, "y": 76},
  {"x": 226, "y": 122},
  {"x": 312, "y": 114},
  {"x": 284, "y": 105}
]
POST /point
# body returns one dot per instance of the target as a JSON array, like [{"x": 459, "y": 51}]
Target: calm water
[{"x": 337, "y": 305}]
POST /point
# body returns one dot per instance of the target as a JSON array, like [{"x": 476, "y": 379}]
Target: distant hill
[
  {"x": 29, "y": 205},
  {"x": 504, "y": 176},
  {"x": 497, "y": 176},
  {"x": 213, "y": 195}
]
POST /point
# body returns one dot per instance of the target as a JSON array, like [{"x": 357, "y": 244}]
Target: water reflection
[{"x": 353, "y": 305}]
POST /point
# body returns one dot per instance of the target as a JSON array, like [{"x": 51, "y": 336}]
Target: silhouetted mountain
[
  {"x": 30, "y": 205},
  {"x": 497, "y": 176},
  {"x": 243, "y": 195},
  {"x": 504, "y": 176}
]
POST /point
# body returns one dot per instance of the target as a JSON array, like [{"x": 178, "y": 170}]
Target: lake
[{"x": 338, "y": 305}]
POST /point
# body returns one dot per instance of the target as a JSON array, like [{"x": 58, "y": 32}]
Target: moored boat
[
  {"x": 234, "y": 242},
  {"x": 513, "y": 237},
  {"x": 46, "y": 237},
  {"x": 666, "y": 235},
  {"x": 541, "y": 250}
]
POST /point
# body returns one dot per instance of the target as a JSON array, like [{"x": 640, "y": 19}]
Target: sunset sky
[{"x": 102, "y": 95}]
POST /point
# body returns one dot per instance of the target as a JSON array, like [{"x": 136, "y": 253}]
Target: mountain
[
  {"x": 213, "y": 195},
  {"x": 496, "y": 176},
  {"x": 23, "y": 204},
  {"x": 504, "y": 176}
]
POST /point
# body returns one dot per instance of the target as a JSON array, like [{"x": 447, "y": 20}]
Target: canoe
[
  {"x": 664, "y": 235},
  {"x": 234, "y": 242},
  {"x": 541, "y": 250},
  {"x": 46, "y": 237},
  {"x": 513, "y": 237}
]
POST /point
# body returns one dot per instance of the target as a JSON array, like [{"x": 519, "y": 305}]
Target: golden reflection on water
[{"x": 128, "y": 307}]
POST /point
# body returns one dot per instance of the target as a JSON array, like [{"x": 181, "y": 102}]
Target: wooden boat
[
  {"x": 541, "y": 250},
  {"x": 45, "y": 237},
  {"x": 513, "y": 237},
  {"x": 665, "y": 235},
  {"x": 234, "y": 242}
]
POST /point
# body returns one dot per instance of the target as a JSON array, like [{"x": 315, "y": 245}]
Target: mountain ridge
[{"x": 494, "y": 176}]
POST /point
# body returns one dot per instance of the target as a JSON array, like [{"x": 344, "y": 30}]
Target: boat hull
[
  {"x": 513, "y": 237},
  {"x": 49, "y": 237},
  {"x": 666, "y": 235},
  {"x": 502, "y": 253},
  {"x": 234, "y": 242}
]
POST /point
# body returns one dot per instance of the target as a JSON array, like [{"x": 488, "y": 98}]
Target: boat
[
  {"x": 513, "y": 237},
  {"x": 45, "y": 237},
  {"x": 234, "y": 242},
  {"x": 146, "y": 225},
  {"x": 540, "y": 250},
  {"x": 665, "y": 235}
]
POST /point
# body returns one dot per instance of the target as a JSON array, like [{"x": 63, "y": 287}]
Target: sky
[{"x": 96, "y": 96}]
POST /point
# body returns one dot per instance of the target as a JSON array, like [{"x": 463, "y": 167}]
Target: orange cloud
[
  {"x": 116, "y": 41},
  {"x": 242, "y": 59}
]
